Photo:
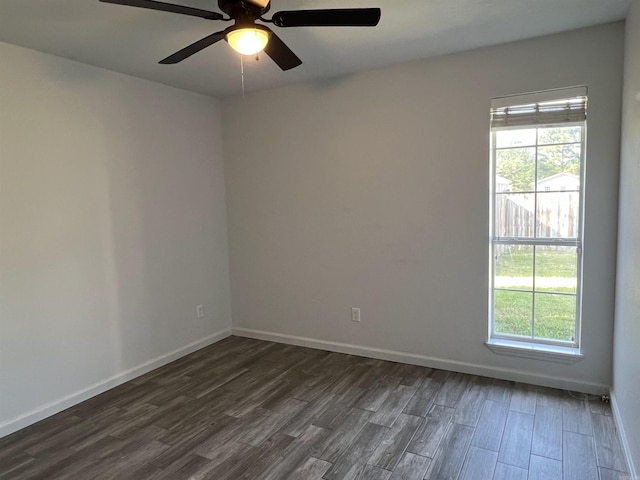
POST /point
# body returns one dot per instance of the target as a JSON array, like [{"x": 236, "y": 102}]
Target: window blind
[{"x": 541, "y": 108}]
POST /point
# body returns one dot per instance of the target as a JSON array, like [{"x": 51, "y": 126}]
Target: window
[{"x": 537, "y": 164}]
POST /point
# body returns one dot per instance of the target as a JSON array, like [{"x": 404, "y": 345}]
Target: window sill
[{"x": 550, "y": 353}]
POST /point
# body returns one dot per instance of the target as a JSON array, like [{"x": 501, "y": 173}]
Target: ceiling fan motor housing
[{"x": 242, "y": 9}]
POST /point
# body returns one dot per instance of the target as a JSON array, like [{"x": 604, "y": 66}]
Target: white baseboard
[
  {"x": 63, "y": 403},
  {"x": 422, "y": 360},
  {"x": 623, "y": 436}
]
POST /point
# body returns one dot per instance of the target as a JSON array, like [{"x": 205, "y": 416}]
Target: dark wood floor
[{"x": 247, "y": 409}]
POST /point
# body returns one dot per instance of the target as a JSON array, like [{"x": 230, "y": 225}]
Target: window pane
[
  {"x": 514, "y": 215},
  {"x": 559, "y": 135},
  {"x": 513, "y": 267},
  {"x": 558, "y": 168},
  {"x": 556, "y": 269},
  {"x": 515, "y": 169},
  {"x": 512, "y": 312},
  {"x": 555, "y": 316},
  {"x": 557, "y": 214},
  {"x": 515, "y": 138}
]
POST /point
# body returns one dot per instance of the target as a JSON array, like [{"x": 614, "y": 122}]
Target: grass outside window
[{"x": 541, "y": 306}]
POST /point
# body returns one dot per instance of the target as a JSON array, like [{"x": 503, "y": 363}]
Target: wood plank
[
  {"x": 606, "y": 474},
  {"x": 188, "y": 445},
  {"x": 547, "y": 432},
  {"x": 191, "y": 467},
  {"x": 493, "y": 418},
  {"x": 516, "y": 443},
  {"x": 413, "y": 375},
  {"x": 352, "y": 462},
  {"x": 422, "y": 401},
  {"x": 47, "y": 445},
  {"x": 281, "y": 395},
  {"x": 393, "y": 406},
  {"x": 332, "y": 416},
  {"x": 470, "y": 406},
  {"x": 219, "y": 381},
  {"x": 451, "y": 453},
  {"x": 269, "y": 453},
  {"x": 43, "y": 468},
  {"x": 372, "y": 398},
  {"x": 410, "y": 466},
  {"x": 577, "y": 420},
  {"x": 352, "y": 395},
  {"x": 608, "y": 449},
  {"x": 552, "y": 397},
  {"x": 223, "y": 452},
  {"x": 295, "y": 454},
  {"x": 311, "y": 469},
  {"x": 500, "y": 391},
  {"x": 310, "y": 388},
  {"x": 259, "y": 395},
  {"x": 431, "y": 432},
  {"x": 596, "y": 405},
  {"x": 145, "y": 471},
  {"x": 372, "y": 472},
  {"x": 340, "y": 439},
  {"x": 16, "y": 460},
  {"x": 523, "y": 398},
  {"x": 233, "y": 465},
  {"x": 542, "y": 468},
  {"x": 17, "y": 443},
  {"x": 127, "y": 460},
  {"x": 452, "y": 390},
  {"x": 509, "y": 472},
  {"x": 312, "y": 411},
  {"x": 390, "y": 450},
  {"x": 230, "y": 433},
  {"x": 579, "y": 459},
  {"x": 351, "y": 378},
  {"x": 263, "y": 428},
  {"x": 480, "y": 464},
  {"x": 87, "y": 458}
]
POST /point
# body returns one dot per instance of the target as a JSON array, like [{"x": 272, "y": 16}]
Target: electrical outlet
[
  {"x": 355, "y": 314},
  {"x": 200, "y": 311}
]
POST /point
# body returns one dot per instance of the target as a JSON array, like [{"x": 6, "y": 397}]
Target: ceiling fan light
[{"x": 248, "y": 41}]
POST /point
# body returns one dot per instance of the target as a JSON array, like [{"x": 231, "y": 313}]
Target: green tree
[
  {"x": 563, "y": 156},
  {"x": 518, "y": 166},
  {"x": 558, "y": 152}
]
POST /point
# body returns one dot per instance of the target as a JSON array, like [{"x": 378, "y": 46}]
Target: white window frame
[{"x": 525, "y": 346}]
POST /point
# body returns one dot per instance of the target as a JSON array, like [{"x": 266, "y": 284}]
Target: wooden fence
[{"x": 557, "y": 215}]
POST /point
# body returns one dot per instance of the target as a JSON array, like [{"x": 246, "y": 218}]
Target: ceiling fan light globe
[{"x": 248, "y": 41}]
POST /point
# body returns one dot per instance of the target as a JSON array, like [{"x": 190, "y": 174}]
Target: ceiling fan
[{"x": 249, "y": 38}]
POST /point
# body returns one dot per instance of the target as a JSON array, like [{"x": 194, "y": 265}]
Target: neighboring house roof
[
  {"x": 502, "y": 184},
  {"x": 569, "y": 176}
]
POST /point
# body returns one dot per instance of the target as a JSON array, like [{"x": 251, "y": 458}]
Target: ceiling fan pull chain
[{"x": 242, "y": 73}]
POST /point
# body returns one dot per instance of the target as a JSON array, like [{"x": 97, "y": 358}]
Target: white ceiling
[{"x": 133, "y": 40}]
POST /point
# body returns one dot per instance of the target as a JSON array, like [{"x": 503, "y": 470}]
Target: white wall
[
  {"x": 372, "y": 191},
  {"x": 113, "y": 229},
  {"x": 626, "y": 360}
]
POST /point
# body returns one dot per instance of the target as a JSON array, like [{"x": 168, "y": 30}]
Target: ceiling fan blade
[
  {"x": 280, "y": 53},
  {"x": 194, "y": 48},
  {"x": 168, "y": 7},
  {"x": 342, "y": 17}
]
